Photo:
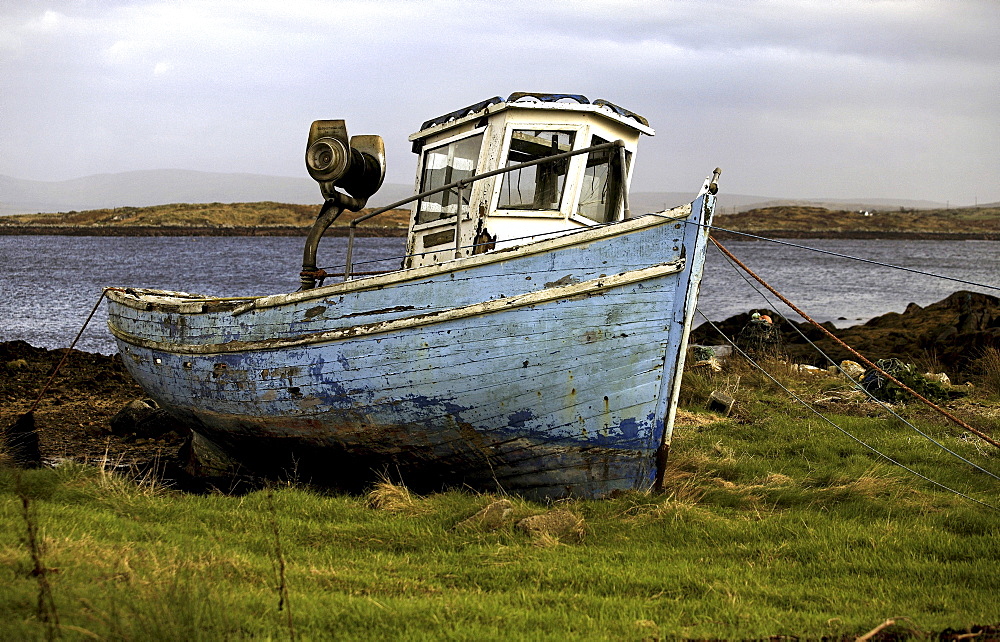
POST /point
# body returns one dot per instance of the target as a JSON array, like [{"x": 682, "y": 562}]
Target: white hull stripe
[{"x": 486, "y": 307}]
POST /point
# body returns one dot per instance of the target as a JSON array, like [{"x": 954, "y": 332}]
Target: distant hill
[
  {"x": 161, "y": 187},
  {"x": 295, "y": 219},
  {"x": 818, "y": 222},
  {"x": 264, "y": 217}
]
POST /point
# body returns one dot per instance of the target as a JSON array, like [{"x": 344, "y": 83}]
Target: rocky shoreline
[
  {"x": 948, "y": 336},
  {"x": 389, "y": 231}
]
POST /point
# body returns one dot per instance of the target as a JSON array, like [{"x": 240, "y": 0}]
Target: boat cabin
[{"x": 539, "y": 197}]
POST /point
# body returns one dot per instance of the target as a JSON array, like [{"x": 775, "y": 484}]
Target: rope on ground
[
  {"x": 857, "y": 354},
  {"x": 835, "y": 425}
]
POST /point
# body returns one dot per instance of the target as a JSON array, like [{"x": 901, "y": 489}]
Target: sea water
[{"x": 49, "y": 284}]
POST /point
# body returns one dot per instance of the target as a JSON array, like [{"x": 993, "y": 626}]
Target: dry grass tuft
[
  {"x": 777, "y": 479},
  {"x": 545, "y": 540},
  {"x": 871, "y": 485},
  {"x": 114, "y": 479},
  {"x": 685, "y": 419},
  {"x": 987, "y": 367},
  {"x": 681, "y": 486},
  {"x": 394, "y": 498}
]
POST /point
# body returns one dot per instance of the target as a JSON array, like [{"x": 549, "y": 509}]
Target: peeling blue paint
[
  {"x": 564, "y": 397},
  {"x": 519, "y": 419}
]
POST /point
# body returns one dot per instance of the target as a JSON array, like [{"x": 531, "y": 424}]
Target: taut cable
[
  {"x": 857, "y": 354},
  {"x": 65, "y": 356}
]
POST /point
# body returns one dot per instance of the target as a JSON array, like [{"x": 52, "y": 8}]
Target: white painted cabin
[{"x": 510, "y": 208}]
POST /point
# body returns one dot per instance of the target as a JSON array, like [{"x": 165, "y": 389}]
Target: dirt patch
[{"x": 73, "y": 420}]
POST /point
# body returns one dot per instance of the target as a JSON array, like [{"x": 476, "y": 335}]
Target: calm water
[{"x": 48, "y": 284}]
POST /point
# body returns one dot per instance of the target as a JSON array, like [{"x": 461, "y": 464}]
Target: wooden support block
[{"x": 720, "y": 402}]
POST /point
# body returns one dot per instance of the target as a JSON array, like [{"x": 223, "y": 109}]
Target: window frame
[
  {"x": 581, "y": 131},
  {"x": 450, "y": 219},
  {"x": 625, "y": 175}
]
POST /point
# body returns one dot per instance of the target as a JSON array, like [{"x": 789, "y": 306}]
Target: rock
[
  {"x": 143, "y": 418},
  {"x": 852, "y": 369},
  {"x": 720, "y": 402},
  {"x": 702, "y": 353},
  {"x": 939, "y": 377},
  {"x": 493, "y": 516},
  {"x": 558, "y": 524},
  {"x": 705, "y": 357},
  {"x": 20, "y": 442},
  {"x": 200, "y": 459},
  {"x": 955, "y": 330}
]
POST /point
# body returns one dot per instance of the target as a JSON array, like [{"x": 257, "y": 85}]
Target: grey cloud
[{"x": 794, "y": 99}]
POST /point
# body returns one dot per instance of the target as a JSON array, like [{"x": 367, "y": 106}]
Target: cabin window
[
  {"x": 603, "y": 181},
  {"x": 443, "y": 165},
  {"x": 538, "y": 187}
]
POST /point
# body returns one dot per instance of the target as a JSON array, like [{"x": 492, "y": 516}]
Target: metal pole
[
  {"x": 624, "y": 171},
  {"x": 458, "y": 222},
  {"x": 458, "y": 184},
  {"x": 350, "y": 251},
  {"x": 477, "y": 177},
  {"x": 329, "y": 213}
]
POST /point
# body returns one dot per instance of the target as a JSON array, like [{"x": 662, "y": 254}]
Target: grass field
[{"x": 774, "y": 523}]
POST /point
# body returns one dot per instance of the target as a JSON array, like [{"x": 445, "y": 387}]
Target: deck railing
[{"x": 461, "y": 184}]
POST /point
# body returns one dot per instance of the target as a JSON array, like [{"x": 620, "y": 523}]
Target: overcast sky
[{"x": 804, "y": 99}]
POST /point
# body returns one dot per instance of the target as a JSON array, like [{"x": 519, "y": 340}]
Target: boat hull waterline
[{"x": 550, "y": 369}]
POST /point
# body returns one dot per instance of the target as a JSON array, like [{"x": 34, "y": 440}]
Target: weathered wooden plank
[{"x": 543, "y": 372}]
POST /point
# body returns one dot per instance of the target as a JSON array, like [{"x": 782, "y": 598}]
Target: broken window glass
[
  {"x": 538, "y": 187},
  {"x": 443, "y": 165},
  {"x": 600, "y": 196}
]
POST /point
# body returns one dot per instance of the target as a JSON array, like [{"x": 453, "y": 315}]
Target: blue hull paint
[{"x": 550, "y": 373}]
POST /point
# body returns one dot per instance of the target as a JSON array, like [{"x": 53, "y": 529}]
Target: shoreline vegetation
[
  {"x": 283, "y": 219},
  {"x": 200, "y": 219}
]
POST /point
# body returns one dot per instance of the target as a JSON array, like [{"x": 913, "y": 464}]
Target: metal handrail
[{"x": 461, "y": 183}]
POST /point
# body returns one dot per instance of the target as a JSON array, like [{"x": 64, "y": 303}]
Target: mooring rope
[
  {"x": 835, "y": 425},
  {"x": 858, "y": 385},
  {"x": 857, "y": 354},
  {"x": 65, "y": 356}
]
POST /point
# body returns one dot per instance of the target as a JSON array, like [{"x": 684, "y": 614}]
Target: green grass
[{"x": 773, "y": 524}]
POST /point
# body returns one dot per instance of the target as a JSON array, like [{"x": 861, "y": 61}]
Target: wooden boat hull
[{"x": 549, "y": 369}]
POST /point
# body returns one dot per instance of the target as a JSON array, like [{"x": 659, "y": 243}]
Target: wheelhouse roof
[{"x": 529, "y": 100}]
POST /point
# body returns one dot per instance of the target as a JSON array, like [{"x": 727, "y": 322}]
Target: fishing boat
[{"x": 531, "y": 341}]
